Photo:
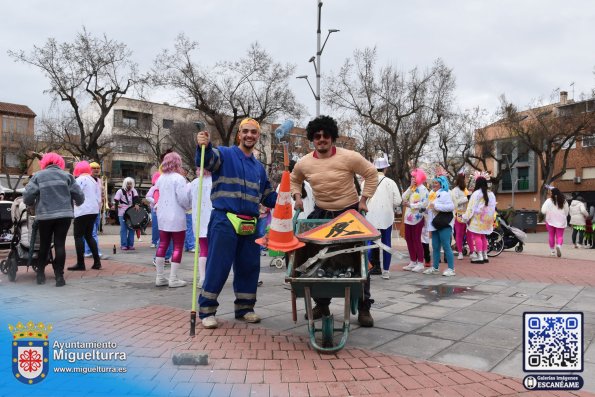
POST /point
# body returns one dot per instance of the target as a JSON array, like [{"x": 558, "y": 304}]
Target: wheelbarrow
[{"x": 305, "y": 275}]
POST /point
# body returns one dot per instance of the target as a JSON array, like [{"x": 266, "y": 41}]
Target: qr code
[{"x": 553, "y": 342}]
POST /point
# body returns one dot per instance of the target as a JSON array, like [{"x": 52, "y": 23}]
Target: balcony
[{"x": 523, "y": 184}]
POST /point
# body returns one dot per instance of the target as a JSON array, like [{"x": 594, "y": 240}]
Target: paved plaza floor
[{"x": 433, "y": 335}]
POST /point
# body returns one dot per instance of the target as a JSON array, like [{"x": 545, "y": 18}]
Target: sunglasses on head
[{"x": 320, "y": 135}]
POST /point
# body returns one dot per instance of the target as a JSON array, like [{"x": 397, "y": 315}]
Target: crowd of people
[{"x": 237, "y": 197}]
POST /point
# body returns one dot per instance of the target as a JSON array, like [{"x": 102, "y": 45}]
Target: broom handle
[{"x": 196, "y": 240}]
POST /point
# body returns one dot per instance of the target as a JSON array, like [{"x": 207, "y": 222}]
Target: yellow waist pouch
[{"x": 242, "y": 224}]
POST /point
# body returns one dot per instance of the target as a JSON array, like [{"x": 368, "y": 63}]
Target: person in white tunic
[
  {"x": 381, "y": 213},
  {"x": 205, "y": 215},
  {"x": 171, "y": 216}
]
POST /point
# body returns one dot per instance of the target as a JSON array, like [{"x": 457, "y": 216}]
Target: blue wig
[{"x": 443, "y": 182}]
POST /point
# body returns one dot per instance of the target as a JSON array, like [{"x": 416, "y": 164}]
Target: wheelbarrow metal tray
[{"x": 327, "y": 287}]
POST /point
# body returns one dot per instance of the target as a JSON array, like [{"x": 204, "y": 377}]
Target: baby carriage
[
  {"x": 24, "y": 243},
  {"x": 5, "y": 224},
  {"x": 504, "y": 237}
]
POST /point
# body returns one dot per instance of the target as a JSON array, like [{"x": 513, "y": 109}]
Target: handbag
[{"x": 442, "y": 220}]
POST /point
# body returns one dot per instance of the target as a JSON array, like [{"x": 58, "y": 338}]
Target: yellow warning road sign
[{"x": 347, "y": 227}]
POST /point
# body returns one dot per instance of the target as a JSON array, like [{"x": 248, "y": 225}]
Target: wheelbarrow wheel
[{"x": 277, "y": 262}]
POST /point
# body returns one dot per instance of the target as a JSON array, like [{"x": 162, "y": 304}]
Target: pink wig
[
  {"x": 82, "y": 167},
  {"x": 52, "y": 158},
  {"x": 419, "y": 175},
  {"x": 172, "y": 162},
  {"x": 155, "y": 176}
]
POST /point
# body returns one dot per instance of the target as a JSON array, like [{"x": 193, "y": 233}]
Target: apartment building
[
  {"x": 17, "y": 125},
  {"x": 521, "y": 174}
]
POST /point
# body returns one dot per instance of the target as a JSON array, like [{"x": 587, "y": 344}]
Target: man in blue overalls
[{"x": 240, "y": 184}]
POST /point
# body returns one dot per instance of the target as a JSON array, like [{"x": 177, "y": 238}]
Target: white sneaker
[
  {"x": 431, "y": 270},
  {"x": 418, "y": 268},
  {"x": 552, "y": 253},
  {"x": 460, "y": 257},
  {"x": 161, "y": 281},
  {"x": 575, "y": 245},
  {"x": 410, "y": 266},
  {"x": 385, "y": 274},
  {"x": 210, "y": 322},
  {"x": 484, "y": 256},
  {"x": 88, "y": 255},
  {"x": 153, "y": 246},
  {"x": 476, "y": 258},
  {"x": 449, "y": 273},
  {"x": 176, "y": 282},
  {"x": 558, "y": 251}
]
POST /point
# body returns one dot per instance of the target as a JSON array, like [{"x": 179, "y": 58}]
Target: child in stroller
[{"x": 24, "y": 245}]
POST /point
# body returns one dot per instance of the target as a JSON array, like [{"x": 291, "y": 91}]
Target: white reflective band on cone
[
  {"x": 284, "y": 198},
  {"x": 282, "y": 225}
]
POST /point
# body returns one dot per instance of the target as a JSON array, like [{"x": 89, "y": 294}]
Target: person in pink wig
[{"x": 52, "y": 191}]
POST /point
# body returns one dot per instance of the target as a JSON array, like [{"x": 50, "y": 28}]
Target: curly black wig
[{"x": 324, "y": 123}]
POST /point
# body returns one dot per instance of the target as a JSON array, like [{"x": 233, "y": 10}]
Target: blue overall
[{"x": 240, "y": 183}]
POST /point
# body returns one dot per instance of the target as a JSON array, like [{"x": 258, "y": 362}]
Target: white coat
[
  {"x": 92, "y": 191},
  {"x": 205, "y": 207},
  {"x": 173, "y": 202},
  {"x": 383, "y": 204}
]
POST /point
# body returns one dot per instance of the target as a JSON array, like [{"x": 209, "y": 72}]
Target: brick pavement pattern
[
  {"x": 514, "y": 266},
  {"x": 245, "y": 360}
]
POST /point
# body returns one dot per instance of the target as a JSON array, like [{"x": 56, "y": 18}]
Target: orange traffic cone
[{"x": 281, "y": 237}]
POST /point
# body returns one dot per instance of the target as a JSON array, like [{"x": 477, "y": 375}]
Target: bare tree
[
  {"x": 405, "y": 107},
  {"x": 182, "y": 138},
  {"x": 24, "y": 149},
  {"x": 89, "y": 69},
  {"x": 253, "y": 86},
  {"x": 547, "y": 131}
]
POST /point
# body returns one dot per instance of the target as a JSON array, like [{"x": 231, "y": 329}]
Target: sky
[{"x": 524, "y": 49}]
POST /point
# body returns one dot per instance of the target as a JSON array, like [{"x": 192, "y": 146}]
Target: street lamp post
[{"x": 316, "y": 60}]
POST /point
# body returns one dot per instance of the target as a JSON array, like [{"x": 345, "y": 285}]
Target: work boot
[
  {"x": 40, "y": 277},
  {"x": 318, "y": 312},
  {"x": 77, "y": 267},
  {"x": 363, "y": 316},
  {"x": 60, "y": 282},
  {"x": 376, "y": 271}
]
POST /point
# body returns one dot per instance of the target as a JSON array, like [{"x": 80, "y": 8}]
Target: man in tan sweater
[{"x": 331, "y": 173}]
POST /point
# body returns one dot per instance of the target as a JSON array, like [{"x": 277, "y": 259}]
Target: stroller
[
  {"x": 24, "y": 243},
  {"x": 5, "y": 224},
  {"x": 504, "y": 237}
]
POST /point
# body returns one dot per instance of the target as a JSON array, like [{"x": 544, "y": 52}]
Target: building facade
[
  {"x": 17, "y": 126},
  {"x": 521, "y": 174}
]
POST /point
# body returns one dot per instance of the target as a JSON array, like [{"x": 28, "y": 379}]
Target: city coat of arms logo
[{"x": 30, "y": 351}]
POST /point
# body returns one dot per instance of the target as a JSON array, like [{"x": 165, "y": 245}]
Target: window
[
  {"x": 569, "y": 144},
  {"x": 589, "y": 173},
  {"x": 11, "y": 160},
  {"x": 589, "y": 141},
  {"x": 130, "y": 121},
  {"x": 14, "y": 124},
  {"x": 569, "y": 174},
  {"x": 168, "y": 123},
  {"x": 523, "y": 178},
  {"x": 523, "y": 153},
  {"x": 506, "y": 181}
]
